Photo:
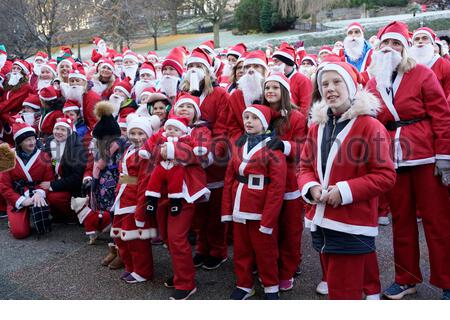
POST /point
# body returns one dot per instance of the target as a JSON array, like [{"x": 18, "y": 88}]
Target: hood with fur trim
[{"x": 364, "y": 103}]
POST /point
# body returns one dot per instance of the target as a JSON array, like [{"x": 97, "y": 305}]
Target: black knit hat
[
  {"x": 106, "y": 126},
  {"x": 19, "y": 139}
]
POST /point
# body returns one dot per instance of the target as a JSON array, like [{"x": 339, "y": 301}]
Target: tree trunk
[
  {"x": 155, "y": 42},
  {"x": 216, "y": 29},
  {"x": 79, "y": 48},
  {"x": 313, "y": 22},
  {"x": 174, "y": 21},
  {"x": 49, "y": 49}
]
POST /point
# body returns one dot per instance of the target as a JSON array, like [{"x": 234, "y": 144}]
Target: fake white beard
[
  {"x": 278, "y": 68},
  {"x": 2, "y": 60},
  {"x": 194, "y": 76},
  {"x": 116, "y": 101},
  {"x": 43, "y": 83},
  {"x": 336, "y": 50},
  {"x": 444, "y": 50},
  {"x": 158, "y": 74},
  {"x": 227, "y": 69},
  {"x": 251, "y": 86},
  {"x": 385, "y": 63},
  {"x": 130, "y": 71},
  {"x": 140, "y": 86},
  {"x": 307, "y": 70},
  {"x": 37, "y": 69},
  {"x": 74, "y": 93},
  {"x": 102, "y": 48},
  {"x": 28, "y": 117},
  {"x": 98, "y": 87},
  {"x": 14, "y": 78},
  {"x": 118, "y": 70},
  {"x": 422, "y": 55},
  {"x": 354, "y": 47},
  {"x": 169, "y": 85}
]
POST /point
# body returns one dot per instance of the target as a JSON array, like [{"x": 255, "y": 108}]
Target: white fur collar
[{"x": 364, "y": 103}]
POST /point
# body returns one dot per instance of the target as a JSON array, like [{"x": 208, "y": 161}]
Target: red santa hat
[
  {"x": 188, "y": 98},
  {"x": 118, "y": 57},
  {"x": 33, "y": 102},
  {"x": 147, "y": 92},
  {"x": 66, "y": 50},
  {"x": 199, "y": 55},
  {"x": 264, "y": 113},
  {"x": 325, "y": 48},
  {"x": 280, "y": 78},
  {"x": 71, "y": 105},
  {"x": 237, "y": 50},
  {"x": 97, "y": 40},
  {"x": 395, "y": 30},
  {"x": 24, "y": 65},
  {"x": 78, "y": 73},
  {"x": 208, "y": 46},
  {"x": 124, "y": 86},
  {"x": 355, "y": 25},
  {"x": 286, "y": 54},
  {"x": 50, "y": 67},
  {"x": 348, "y": 72},
  {"x": 152, "y": 54},
  {"x": 178, "y": 122},
  {"x": 310, "y": 57},
  {"x": 131, "y": 56},
  {"x": 175, "y": 60},
  {"x": 333, "y": 58},
  {"x": 48, "y": 93},
  {"x": 256, "y": 57},
  {"x": 41, "y": 56},
  {"x": 135, "y": 121},
  {"x": 64, "y": 122},
  {"x": 122, "y": 121},
  {"x": 427, "y": 31},
  {"x": 21, "y": 131},
  {"x": 147, "y": 67},
  {"x": 69, "y": 61},
  {"x": 106, "y": 62}
]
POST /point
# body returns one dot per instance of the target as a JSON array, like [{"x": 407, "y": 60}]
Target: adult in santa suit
[
  {"x": 87, "y": 98},
  {"x": 232, "y": 57},
  {"x": 39, "y": 59},
  {"x": 344, "y": 192},
  {"x": 65, "y": 152},
  {"x": 253, "y": 195},
  {"x": 236, "y": 73},
  {"x": 52, "y": 106},
  {"x": 20, "y": 186},
  {"x": 104, "y": 80},
  {"x": 132, "y": 228},
  {"x": 101, "y": 51},
  {"x": 47, "y": 73},
  {"x": 250, "y": 90},
  {"x": 290, "y": 127},
  {"x": 416, "y": 113},
  {"x": 211, "y": 250},
  {"x": 16, "y": 90},
  {"x": 308, "y": 65},
  {"x": 357, "y": 51},
  {"x": 172, "y": 73},
  {"x": 423, "y": 52},
  {"x": 301, "y": 86}
]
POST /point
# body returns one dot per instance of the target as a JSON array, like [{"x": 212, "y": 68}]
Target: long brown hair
[
  {"x": 21, "y": 82},
  {"x": 111, "y": 81},
  {"x": 233, "y": 76},
  {"x": 281, "y": 124}
]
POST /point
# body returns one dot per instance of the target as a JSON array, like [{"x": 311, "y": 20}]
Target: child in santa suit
[
  {"x": 343, "y": 191},
  {"x": 132, "y": 228},
  {"x": 253, "y": 195},
  {"x": 20, "y": 186}
]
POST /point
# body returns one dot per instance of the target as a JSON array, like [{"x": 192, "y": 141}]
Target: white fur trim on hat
[
  {"x": 31, "y": 105},
  {"x": 123, "y": 90},
  {"x": 283, "y": 54},
  {"x": 109, "y": 65},
  {"x": 22, "y": 131},
  {"x": 186, "y": 100},
  {"x": 207, "y": 49},
  {"x": 131, "y": 57},
  {"x": 255, "y": 61},
  {"x": 136, "y": 122},
  {"x": 63, "y": 124},
  {"x": 355, "y": 27},
  {"x": 277, "y": 78},
  {"x": 429, "y": 35},
  {"x": 396, "y": 36},
  {"x": 24, "y": 68},
  {"x": 77, "y": 74},
  {"x": 259, "y": 114},
  {"x": 176, "y": 123},
  {"x": 198, "y": 60},
  {"x": 351, "y": 85},
  {"x": 71, "y": 108},
  {"x": 233, "y": 52},
  {"x": 146, "y": 70}
]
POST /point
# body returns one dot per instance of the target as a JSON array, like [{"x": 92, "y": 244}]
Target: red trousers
[
  {"x": 136, "y": 256},
  {"x": 211, "y": 232},
  {"x": 383, "y": 206},
  {"x": 19, "y": 222},
  {"x": 172, "y": 177},
  {"x": 174, "y": 232},
  {"x": 418, "y": 189},
  {"x": 251, "y": 247},
  {"x": 59, "y": 203},
  {"x": 290, "y": 228},
  {"x": 345, "y": 275},
  {"x": 2, "y": 204},
  {"x": 371, "y": 283}
]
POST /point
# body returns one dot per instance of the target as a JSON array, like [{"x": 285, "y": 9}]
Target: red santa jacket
[
  {"x": 441, "y": 69},
  {"x": 11, "y": 102},
  {"x": 359, "y": 182},
  {"x": 301, "y": 91},
  {"x": 90, "y": 98},
  {"x": 416, "y": 95},
  {"x": 96, "y": 56},
  {"x": 261, "y": 198},
  {"x": 37, "y": 170},
  {"x": 47, "y": 121},
  {"x": 234, "y": 122}
]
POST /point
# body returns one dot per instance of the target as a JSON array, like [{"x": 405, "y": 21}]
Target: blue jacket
[{"x": 358, "y": 63}]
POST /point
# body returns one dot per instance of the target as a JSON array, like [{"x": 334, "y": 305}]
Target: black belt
[
  {"x": 255, "y": 180},
  {"x": 393, "y": 125}
]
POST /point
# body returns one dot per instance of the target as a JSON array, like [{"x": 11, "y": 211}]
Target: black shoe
[
  {"x": 169, "y": 283},
  {"x": 240, "y": 294},
  {"x": 298, "y": 271},
  {"x": 152, "y": 205},
  {"x": 175, "y": 207},
  {"x": 199, "y": 260},
  {"x": 3, "y": 214},
  {"x": 192, "y": 238},
  {"x": 271, "y": 296},
  {"x": 212, "y": 263},
  {"x": 182, "y": 294}
]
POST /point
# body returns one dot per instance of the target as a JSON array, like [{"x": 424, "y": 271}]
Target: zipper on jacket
[
  {"x": 324, "y": 240},
  {"x": 333, "y": 131}
]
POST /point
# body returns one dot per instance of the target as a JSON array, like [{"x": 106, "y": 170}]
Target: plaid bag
[{"x": 40, "y": 218}]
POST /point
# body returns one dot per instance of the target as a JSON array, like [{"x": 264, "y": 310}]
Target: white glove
[{"x": 442, "y": 169}]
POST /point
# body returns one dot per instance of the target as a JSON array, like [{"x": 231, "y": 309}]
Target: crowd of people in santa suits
[{"x": 242, "y": 147}]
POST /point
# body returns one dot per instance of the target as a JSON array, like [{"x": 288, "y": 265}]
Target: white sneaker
[
  {"x": 373, "y": 297},
  {"x": 322, "y": 288},
  {"x": 383, "y": 221}
]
